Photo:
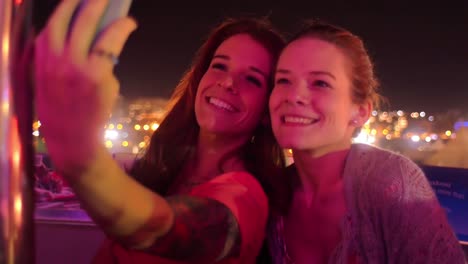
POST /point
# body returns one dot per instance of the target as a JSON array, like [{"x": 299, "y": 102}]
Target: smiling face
[
  {"x": 232, "y": 95},
  {"x": 311, "y": 105}
]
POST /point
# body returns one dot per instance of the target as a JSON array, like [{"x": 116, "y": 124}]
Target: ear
[{"x": 361, "y": 114}]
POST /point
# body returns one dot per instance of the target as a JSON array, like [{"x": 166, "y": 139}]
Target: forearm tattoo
[{"x": 204, "y": 230}]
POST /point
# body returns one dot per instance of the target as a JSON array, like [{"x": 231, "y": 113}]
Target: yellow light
[
  {"x": 18, "y": 209},
  {"x": 142, "y": 144},
  {"x": 373, "y": 132},
  {"x": 18, "y": 205},
  {"x": 36, "y": 125},
  {"x": 448, "y": 133},
  {"x": 137, "y": 127},
  {"x": 119, "y": 126},
  {"x": 5, "y": 107},
  {"x": 403, "y": 123},
  {"x": 16, "y": 157},
  {"x": 154, "y": 126},
  {"x": 385, "y": 132},
  {"x": 109, "y": 144},
  {"x": 135, "y": 150},
  {"x": 125, "y": 143},
  {"x": 146, "y": 127},
  {"x": 111, "y": 126},
  {"x": 6, "y": 46}
]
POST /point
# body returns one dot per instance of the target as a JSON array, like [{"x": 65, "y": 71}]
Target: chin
[
  {"x": 289, "y": 144},
  {"x": 297, "y": 144}
]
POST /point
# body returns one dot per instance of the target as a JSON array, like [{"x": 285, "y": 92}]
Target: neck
[
  {"x": 318, "y": 174},
  {"x": 212, "y": 150}
]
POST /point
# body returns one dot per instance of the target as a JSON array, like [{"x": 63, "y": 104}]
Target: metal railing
[{"x": 16, "y": 148}]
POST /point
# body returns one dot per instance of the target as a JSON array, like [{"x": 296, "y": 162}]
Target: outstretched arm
[{"x": 186, "y": 228}]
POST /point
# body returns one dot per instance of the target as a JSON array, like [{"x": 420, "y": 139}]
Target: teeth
[
  {"x": 298, "y": 120},
  {"x": 221, "y": 104}
]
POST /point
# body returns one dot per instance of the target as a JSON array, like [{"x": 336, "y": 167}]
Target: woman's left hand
[{"x": 75, "y": 84}]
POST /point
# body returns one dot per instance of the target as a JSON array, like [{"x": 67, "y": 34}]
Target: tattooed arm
[
  {"x": 188, "y": 228},
  {"x": 204, "y": 230},
  {"x": 226, "y": 218}
]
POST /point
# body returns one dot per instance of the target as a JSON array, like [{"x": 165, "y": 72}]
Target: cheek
[
  {"x": 274, "y": 99},
  {"x": 329, "y": 102},
  {"x": 274, "y": 123},
  {"x": 340, "y": 110},
  {"x": 203, "y": 81},
  {"x": 198, "y": 95}
]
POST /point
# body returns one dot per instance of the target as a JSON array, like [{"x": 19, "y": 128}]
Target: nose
[
  {"x": 228, "y": 83},
  {"x": 298, "y": 94}
]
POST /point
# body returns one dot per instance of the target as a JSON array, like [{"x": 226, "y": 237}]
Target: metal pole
[{"x": 16, "y": 150}]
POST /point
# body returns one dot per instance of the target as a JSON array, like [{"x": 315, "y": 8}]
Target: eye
[
  {"x": 254, "y": 80},
  {"x": 282, "y": 81},
  {"x": 219, "y": 66},
  {"x": 321, "y": 84}
]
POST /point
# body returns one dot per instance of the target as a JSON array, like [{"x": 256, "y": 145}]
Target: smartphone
[{"x": 115, "y": 9}]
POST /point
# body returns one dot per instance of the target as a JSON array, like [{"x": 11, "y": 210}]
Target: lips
[
  {"x": 296, "y": 120},
  {"x": 221, "y": 104}
]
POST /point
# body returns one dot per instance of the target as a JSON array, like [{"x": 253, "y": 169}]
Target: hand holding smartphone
[{"x": 115, "y": 9}]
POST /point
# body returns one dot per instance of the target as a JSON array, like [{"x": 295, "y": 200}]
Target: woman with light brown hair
[{"x": 347, "y": 203}]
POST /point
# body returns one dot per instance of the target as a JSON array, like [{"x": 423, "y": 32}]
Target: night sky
[{"x": 420, "y": 49}]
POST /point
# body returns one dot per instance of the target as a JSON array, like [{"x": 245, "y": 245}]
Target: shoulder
[
  {"x": 240, "y": 187},
  {"x": 241, "y": 181},
  {"x": 392, "y": 197},
  {"x": 239, "y": 191},
  {"x": 375, "y": 154},
  {"x": 374, "y": 160},
  {"x": 383, "y": 172},
  {"x": 243, "y": 195}
]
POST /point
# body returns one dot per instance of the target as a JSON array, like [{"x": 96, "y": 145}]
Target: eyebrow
[
  {"x": 252, "y": 68},
  {"x": 220, "y": 56},
  {"x": 283, "y": 71},
  {"x": 257, "y": 70}
]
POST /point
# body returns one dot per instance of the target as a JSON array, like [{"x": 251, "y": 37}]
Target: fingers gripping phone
[{"x": 115, "y": 9}]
